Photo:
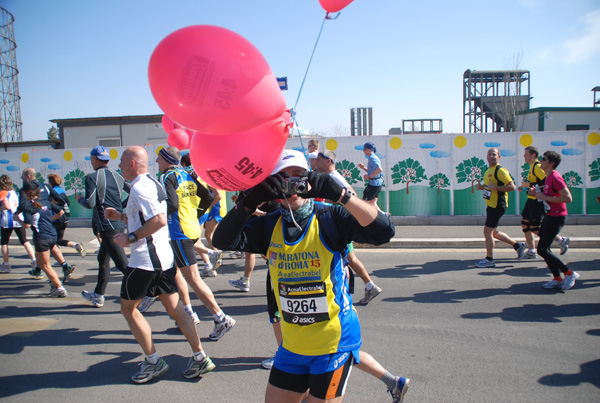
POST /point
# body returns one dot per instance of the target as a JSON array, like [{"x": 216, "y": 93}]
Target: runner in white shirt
[{"x": 151, "y": 269}]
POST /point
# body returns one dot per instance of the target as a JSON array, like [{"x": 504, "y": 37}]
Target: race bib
[
  {"x": 486, "y": 194},
  {"x": 304, "y": 304}
]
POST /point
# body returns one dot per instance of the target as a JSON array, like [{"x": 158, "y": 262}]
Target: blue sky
[{"x": 405, "y": 59}]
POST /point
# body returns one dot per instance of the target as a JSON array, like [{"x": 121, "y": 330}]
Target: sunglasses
[{"x": 544, "y": 159}]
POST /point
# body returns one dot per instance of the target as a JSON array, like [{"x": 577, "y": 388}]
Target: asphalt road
[{"x": 462, "y": 334}]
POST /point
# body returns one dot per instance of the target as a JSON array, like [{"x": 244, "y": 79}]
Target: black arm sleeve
[
  {"x": 378, "y": 232},
  {"x": 237, "y": 232},
  {"x": 171, "y": 190},
  {"x": 206, "y": 197}
]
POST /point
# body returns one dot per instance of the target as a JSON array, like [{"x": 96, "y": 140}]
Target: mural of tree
[
  {"x": 39, "y": 177},
  {"x": 408, "y": 171},
  {"x": 572, "y": 178},
  {"x": 75, "y": 180},
  {"x": 439, "y": 181},
  {"x": 471, "y": 170},
  {"x": 595, "y": 170},
  {"x": 349, "y": 171},
  {"x": 525, "y": 170}
]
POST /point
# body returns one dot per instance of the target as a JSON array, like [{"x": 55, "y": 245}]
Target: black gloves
[
  {"x": 323, "y": 186},
  {"x": 267, "y": 190}
]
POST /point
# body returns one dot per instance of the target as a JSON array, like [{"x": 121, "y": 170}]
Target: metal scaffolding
[
  {"x": 493, "y": 99},
  {"x": 11, "y": 127},
  {"x": 361, "y": 121}
]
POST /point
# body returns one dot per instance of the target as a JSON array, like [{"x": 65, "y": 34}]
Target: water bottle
[{"x": 546, "y": 205}]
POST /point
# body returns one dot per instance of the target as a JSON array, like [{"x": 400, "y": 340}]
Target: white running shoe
[
  {"x": 521, "y": 248},
  {"x": 221, "y": 328},
  {"x": 146, "y": 303},
  {"x": 530, "y": 254},
  {"x": 96, "y": 299},
  {"x": 569, "y": 281},
  {"x": 370, "y": 294},
  {"x": 79, "y": 248},
  {"x": 5, "y": 268},
  {"x": 564, "y": 245},
  {"x": 208, "y": 271},
  {"x": 552, "y": 284},
  {"x": 486, "y": 263},
  {"x": 240, "y": 285},
  {"x": 268, "y": 363}
]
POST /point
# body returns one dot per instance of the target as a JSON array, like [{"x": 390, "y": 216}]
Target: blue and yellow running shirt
[
  {"x": 310, "y": 285},
  {"x": 184, "y": 199}
]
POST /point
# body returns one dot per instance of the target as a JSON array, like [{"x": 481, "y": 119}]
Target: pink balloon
[
  {"x": 179, "y": 138},
  {"x": 213, "y": 80},
  {"x": 169, "y": 124},
  {"x": 242, "y": 160},
  {"x": 333, "y": 6}
]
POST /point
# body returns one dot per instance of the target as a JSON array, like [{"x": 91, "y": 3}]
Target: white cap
[
  {"x": 290, "y": 158},
  {"x": 313, "y": 155}
]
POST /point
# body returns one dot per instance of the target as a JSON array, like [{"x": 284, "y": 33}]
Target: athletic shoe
[
  {"x": 79, "y": 248},
  {"x": 58, "y": 292},
  {"x": 146, "y": 303},
  {"x": 150, "y": 371},
  {"x": 569, "y": 281},
  {"x": 530, "y": 254},
  {"x": 564, "y": 245},
  {"x": 5, "y": 268},
  {"x": 67, "y": 271},
  {"x": 221, "y": 328},
  {"x": 521, "y": 250},
  {"x": 197, "y": 368},
  {"x": 552, "y": 284},
  {"x": 194, "y": 317},
  {"x": 96, "y": 299},
  {"x": 216, "y": 259},
  {"x": 400, "y": 389},
  {"x": 236, "y": 255},
  {"x": 268, "y": 363},
  {"x": 36, "y": 273},
  {"x": 370, "y": 294},
  {"x": 33, "y": 264},
  {"x": 486, "y": 263},
  {"x": 239, "y": 284},
  {"x": 208, "y": 272}
]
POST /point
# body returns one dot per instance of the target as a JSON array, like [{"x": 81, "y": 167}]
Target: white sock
[
  {"x": 219, "y": 316},
  {"x": 153, "y": 358},
  {"x": 208, "y": 266},
  {"x": 199, "y": 356},
  {"x": 369, "y": 285},
  {"x": 531, "y": 250},
  {"x": 188, "y": 308}
]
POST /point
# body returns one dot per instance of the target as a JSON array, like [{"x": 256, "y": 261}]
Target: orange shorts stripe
[{"x": 335, "y": 383}]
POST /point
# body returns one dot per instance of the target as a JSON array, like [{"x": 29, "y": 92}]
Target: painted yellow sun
[
  {"x": 331, "y": 144},
  {"x": 594, "y": 138},
  {"x": 67, "y": 155},
  {"x": 113, "y": 154},
  {"x": 526, "y": 140},
  {"x": 24, "y": 158},
  {"x": 395, "y": 143},
  {"x": 460, "y": 141}
]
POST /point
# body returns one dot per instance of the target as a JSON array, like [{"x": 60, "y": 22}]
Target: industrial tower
[
  {"x": 11, "y": 127},
  {"x": 493, "y": 99}
]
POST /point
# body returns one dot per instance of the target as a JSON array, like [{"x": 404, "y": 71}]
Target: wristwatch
[
  {"x": 346, "y": 197},
  {"x": 132, "y": 237}
]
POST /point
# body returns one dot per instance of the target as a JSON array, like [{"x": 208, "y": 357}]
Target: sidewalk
[{"x": 421, "y": 232}]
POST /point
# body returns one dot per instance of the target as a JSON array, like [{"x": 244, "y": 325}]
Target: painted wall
[{"x": 423, "y": 174}]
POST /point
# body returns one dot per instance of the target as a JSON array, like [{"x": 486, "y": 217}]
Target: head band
[{"x": 168, "y": 157}]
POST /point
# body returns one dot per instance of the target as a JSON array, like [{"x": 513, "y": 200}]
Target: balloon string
[
  {"x": 310, "y": 61},
  {"x": 303, "y": 80}
]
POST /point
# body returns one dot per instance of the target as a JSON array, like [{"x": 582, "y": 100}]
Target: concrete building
[{"x": 558, "y": 119}]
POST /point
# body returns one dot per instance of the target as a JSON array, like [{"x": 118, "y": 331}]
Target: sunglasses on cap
[{"x": 323, "y": 156}]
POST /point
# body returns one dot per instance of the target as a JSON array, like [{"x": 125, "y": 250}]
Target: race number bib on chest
[
  {"x": 305, "y": 303},
  {"x": 486, "y": 194}
]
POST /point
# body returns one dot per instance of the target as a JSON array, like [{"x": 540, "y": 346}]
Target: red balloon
[
  {"x": 169, "y": 124},
  {"x": 179, "y": 138},
  {"x": 333, "y": 6},
  {"x": 242, "y": 160},
  {"x": 213, "y": 80}
]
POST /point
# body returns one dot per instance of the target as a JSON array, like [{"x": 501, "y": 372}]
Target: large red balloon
[
  {"x": 333, "y": 6},
  {"x": 214, "y": 81},
  {"x": 242, "y": 160},
  {"x": 169, "y": 124},
  {"x": 179, "y": 138}
]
